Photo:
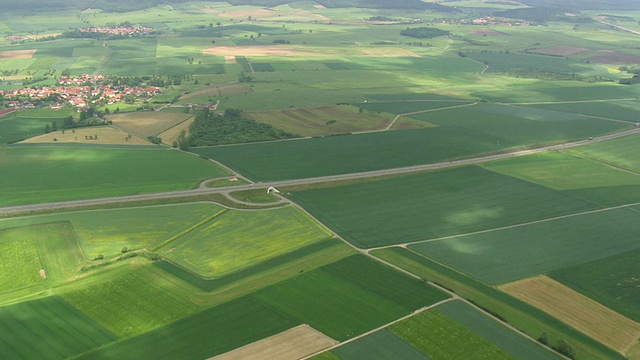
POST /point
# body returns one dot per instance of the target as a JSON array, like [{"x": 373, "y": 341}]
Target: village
[{"x": 79, "y": 92}]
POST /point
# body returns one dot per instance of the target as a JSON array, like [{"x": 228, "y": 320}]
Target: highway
[{"x": 5, "y": 211}]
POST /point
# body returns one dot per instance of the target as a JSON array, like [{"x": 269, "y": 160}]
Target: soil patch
[
  {"x": 230, "y": 59},
  {"x": 146, "y": 123},
  {"x": 17, "y": 54},
  {"x": 576, "y": 310},
  {"x": 172, "y": 134},
  {"x": 103, "y": 135},
  {"x": 615, "y": 58},
  {"x": 294, "y": 343},
  {"x": 559, "y": 50}
]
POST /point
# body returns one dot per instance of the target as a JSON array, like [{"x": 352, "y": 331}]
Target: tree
[
  {"x": 566, "y": 349},
  {"x": 219, "y": 24},
  {"x": 47, "y": 129},
  {"x": 54, "y": 125}
]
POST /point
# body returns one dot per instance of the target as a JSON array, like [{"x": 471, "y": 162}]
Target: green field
[
  {"x": 612, "y": 281},
  {"x": 562, "y": 171},
  {"x": 205, "y": 334},
  {"x": 16, "y": 128},
  {"x": 523, "y": 316},
  {"x": 48, "y": 328},
  {"x": 19, "y": 261},
  {"x": 618, "y": 152},
  {"x": 108, "y": 231},
  {"x": 431, "y": 205},
  {"x": 45, "y": 174},
  {"x": 522, "y": 126},
  {"x": 238, "y": 239},
  {"x": 491, "y": 330},
  {"x": 505, "y": 255},
  {"x": 381, "y": 345},
  {"x": 440, "y": 337},
  {"x": 462, "y": 132},
  {"x": 591, "y": 181},
  {"x": 58, "y": 250},
  {"x": 344, "y": 307},
  {"x": 132, "y": 299},
  {"x": 622, "y": 110}
]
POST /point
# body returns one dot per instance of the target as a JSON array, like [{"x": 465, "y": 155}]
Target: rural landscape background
[{"x": 329, "y": 179}]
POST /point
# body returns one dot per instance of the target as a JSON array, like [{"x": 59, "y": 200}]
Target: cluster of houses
[
  {"x": 120, "y": 30},
  {"x": 487, "y": 20},
  {"x": 78, "y": 92}
]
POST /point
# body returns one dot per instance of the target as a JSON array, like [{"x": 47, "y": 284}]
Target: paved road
[{"x": 316, "y": 180}]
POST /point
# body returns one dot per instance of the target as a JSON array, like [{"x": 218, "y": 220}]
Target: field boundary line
[
  {"x": 189, "y": 229},
  {"x": 416, "y": 312},
  {"x": 568, "y": 101},
  {"x": 417, "y": 242}
]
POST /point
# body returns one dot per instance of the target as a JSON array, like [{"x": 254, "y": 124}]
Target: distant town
[{"x": 79, "y": 92}]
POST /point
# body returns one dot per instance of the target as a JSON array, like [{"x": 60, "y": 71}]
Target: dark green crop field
[
  {"x": 612, "y": 281},
  {"x": 205, "y": 334},
  {"x": 48, "y": 328},
  {"x": 514, "y": 253},
  {"x": 45, "y": 174},
  {"x": 432, "y": 205}
]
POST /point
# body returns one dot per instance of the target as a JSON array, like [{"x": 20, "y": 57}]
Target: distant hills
[{"x": 127, "y": 5}]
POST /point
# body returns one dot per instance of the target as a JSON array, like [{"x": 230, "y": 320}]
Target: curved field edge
[
  {"x": 524, "y": 317},
  {"x": 241, "y": 321}
]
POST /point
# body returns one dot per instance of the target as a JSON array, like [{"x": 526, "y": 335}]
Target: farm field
[
  {"x": 525, "y": 317},
  {"x": 536, "y": 248},
  {"x": 19, "y": 259},
  {"x": 325, "y": 120},
  {"x": 331, "y": 300},
  {"x": 17, "y": 128},
  {"x": 440, "y": 337},
  {"x": 513, "y": 343},
  {"x": 381, "y": 345},
  {"x": 606, "y": 326},
  {"x": 107, "y": 232},
  {"x": 291, "y": 344},
  {"x": 231, "y": 325},
  {"x": 68, "y": 331},
  {"x": 236, "y": 239},
  {"x": 431, "y": 205},
  {"x": 148, "y": 123},
  {"x": 93, "y": 136},
  {"x": 81, "y": 173},
  {"x": 575, "y": 176},
  {"x": 458, "y": 262},
  {"x": 617, "y": 152},
  {"x": 611, "y": 281},
  {"x": 157, "y": 299},
  {"x": 462, "y": 132}
]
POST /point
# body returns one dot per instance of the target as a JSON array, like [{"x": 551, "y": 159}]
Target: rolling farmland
[
  {"x": 139, "y": 244},
  {"x": 432, "y": 205}
]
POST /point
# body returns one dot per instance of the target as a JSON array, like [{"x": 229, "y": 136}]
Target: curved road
[{"x": 284, "y": 183}]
